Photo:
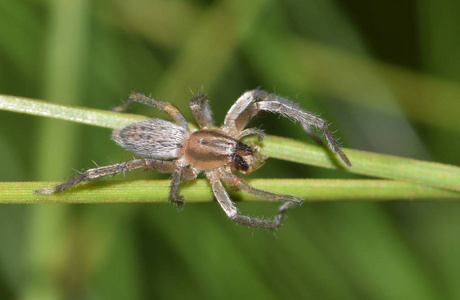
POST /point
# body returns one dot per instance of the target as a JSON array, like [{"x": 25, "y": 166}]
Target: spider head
[{"x": 246, "y": 159}]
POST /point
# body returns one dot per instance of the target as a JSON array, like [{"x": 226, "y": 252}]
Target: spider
[{"x": 169, "y": 147}]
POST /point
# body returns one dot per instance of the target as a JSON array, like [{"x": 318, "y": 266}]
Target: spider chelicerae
[{"x": 171, "y": 147}]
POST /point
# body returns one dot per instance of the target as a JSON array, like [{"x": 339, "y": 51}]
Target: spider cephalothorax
[{"x": 171, "y": 147}]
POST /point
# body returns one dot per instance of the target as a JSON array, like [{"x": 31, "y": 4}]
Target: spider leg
[
  {"x": 202, "y": 111},
  {"x": 232, "y": 212},
  {"x": 161, "y": 105},
  {"x": 245, "y": 186},
  {"x": 238, "y": 116},
  {"x": 252, "y": 131},
  {"x": 150, "y": 164},
  {"x": 253, "y": 102},
  {"x": 315, "y": 137},
  {"x": 174, "y": 195}
]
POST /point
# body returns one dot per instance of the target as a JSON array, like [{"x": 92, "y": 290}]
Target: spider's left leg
[
  {"x": 202, "y": 111},
  {"x": 253, "y": 102},
  {"x": 180, "y": 174},
  {"x": 232, "y": 212},
  {"x": 161, "y": 105},
  {"x": 145, "y": 163}
]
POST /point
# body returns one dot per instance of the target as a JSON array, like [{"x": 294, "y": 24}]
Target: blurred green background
[{"x": 384, "y": 73}]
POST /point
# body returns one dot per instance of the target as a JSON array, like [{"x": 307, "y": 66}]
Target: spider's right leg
[
  {"x": 150, "y": 164},
  {"x": 314, "y": 136},
  {"x": 232, "y": 212},
  {"x": 180, "y": 173},
  {"x": 174, "y": 196},
  {"x": 202, "y": 111},
  {"x": 161, "y": 105},
  {"x": 245, "y": 109},
  {"x": 243, "y": 185},
  {"x": 253, "y": 102}
]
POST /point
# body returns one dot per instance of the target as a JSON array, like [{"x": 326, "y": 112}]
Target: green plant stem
[
  {"x": 367, "y": 163},
  {"x": 90, "y": 116},
  {"x": 200, "y": 191}
]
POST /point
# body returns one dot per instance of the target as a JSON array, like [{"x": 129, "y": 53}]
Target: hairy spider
[{"x": 169, "y": 147}]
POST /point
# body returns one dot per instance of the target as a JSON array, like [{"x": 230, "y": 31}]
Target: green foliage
[{"x": 351, "y": 63}]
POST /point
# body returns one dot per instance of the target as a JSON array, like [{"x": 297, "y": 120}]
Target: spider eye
[
  {"x": 243, "y": 148},
  {"x": 240, "y": 163}
]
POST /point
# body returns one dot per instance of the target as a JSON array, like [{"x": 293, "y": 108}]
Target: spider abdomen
[{"x": 154, "y": 138}]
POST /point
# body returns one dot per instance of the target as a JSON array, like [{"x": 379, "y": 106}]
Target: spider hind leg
[{"x": 149, "y": 164}]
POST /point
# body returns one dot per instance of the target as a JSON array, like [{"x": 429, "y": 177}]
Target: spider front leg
[
  {"x": 315, "y": 137},
  {"x": 232, "y": 212},
  {"x": 245, "y": 186},
  {"x": 253, "y": 102},
  {"x": 150, "y": 164}
]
